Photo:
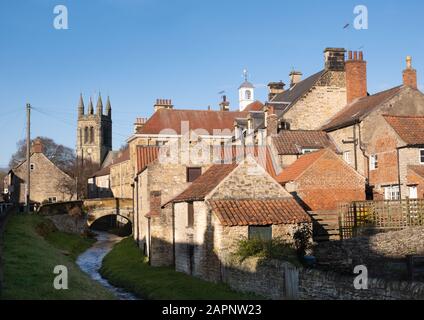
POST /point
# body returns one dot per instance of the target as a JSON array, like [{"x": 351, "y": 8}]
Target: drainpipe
[
  {"x": 365, "y": 156},
  {"x": 173, "y": 234},
  {"x": 355, "y": 144},
  {"x": 398, "y": 167}
]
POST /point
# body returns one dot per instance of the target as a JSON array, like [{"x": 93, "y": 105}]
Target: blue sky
[{"x": 184, "y": 50}]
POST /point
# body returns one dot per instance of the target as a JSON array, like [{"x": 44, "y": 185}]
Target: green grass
[
  {"x": 127, "y": 268},
  {"x": 29, "y": 260}
]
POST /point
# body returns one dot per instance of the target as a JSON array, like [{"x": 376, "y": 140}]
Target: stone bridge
[
  {"x": 95, "y": 208},
  {"x": 98, "y": 208}
]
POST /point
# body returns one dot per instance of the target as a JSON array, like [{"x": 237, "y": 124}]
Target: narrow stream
[{"x": 91, "y": 261}]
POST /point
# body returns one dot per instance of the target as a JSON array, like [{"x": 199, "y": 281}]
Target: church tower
[
  {"x": 94, "y": 132},
  {"x": 246, "y": 92}
]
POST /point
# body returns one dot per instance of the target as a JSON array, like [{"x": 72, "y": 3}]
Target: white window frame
[
  {"x": 373, "y": 162},
  {"x": 392, "y": 193},
  {"x": 347, "y": 156},
  {"x": 52, "y": 199},
  {"x": 421, "y": 156},
  {"x": 415, "y": 193}
]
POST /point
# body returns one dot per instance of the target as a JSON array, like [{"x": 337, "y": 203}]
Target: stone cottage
[
  {"x": 227, "y": 203},
  {"x": 48, "y": 182}
]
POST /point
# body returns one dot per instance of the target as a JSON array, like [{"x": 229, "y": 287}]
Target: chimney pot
[{"x": 350, "y": 55}]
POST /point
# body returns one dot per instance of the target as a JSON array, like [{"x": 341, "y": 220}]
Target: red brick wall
[
  {"x": 356, "y": 77},
  {"x": 328, "y": 182},
  {"x": 410, "y": 78}
]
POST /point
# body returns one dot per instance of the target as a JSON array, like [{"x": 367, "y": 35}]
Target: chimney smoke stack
[{"x": 356, "y": 76}]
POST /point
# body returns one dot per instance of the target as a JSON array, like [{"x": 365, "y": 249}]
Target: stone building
[
  {"x": 122, "y": 176},
  {"x": 48, "y": 182},
  {"x": 321, "y": 181},
  {"x": 167, "y": 124},
  {"x": 357, "y": 124},
  {"x": 224, "y": 205},
  {"x": 94, "y": 132},
  {"x": 99, "y": 184}
]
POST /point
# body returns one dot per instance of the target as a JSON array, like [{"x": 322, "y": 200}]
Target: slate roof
[
  {"x": 102, "y": 172},
  {"x": 299, "y": 166},
  {"x": 297, "y": 91},
  {"x": 172, "y": 119},
  {"x": 258, "y": 212},
  {"x": 289, "y": 142},
  {"x": 359, "y": 109},
  {"x": 409, "y": 128},
  {"x": 203, "y": 185},
  {"x": 124, "y": 156},
  {"x": 145, "y": 156}
]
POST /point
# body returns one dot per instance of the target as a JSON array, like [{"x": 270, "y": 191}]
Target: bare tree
[{"x": 63, "y": 157}]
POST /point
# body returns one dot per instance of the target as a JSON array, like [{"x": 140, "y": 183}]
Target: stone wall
[
  {"x": 121, "y": 178},
  {"x": 383, "y": 254},
  {"x": 321, "y": 103}
]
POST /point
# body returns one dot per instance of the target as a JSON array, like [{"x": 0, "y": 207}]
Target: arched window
[
  {"x": 91, "y": 135},
  {"x": 86, "y": 135},
  {"x": 248, "y": 95}
]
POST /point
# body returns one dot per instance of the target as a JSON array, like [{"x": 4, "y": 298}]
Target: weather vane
[{"x": 245, "y": 74}]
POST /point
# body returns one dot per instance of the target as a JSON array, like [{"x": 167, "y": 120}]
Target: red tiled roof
[
  {"x": 203, "y": 185},
  {"x": 145, "y": 156},
  {"x": 359, "y": 109},
  {"x": 299, "y": 166},
  {"x": 254, "y": 106},
  {"x": 409, "y": 128},
  {"x": 418, "y": 170},
  {"x": 172, "y": 119},
  {"x": 290, "y": 142},
  {"x": 258, "y": 212}
]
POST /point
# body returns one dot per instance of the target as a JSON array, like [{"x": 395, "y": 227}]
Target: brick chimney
[
  {"x": 271, "y": 120},
  {"x": 410, "y": 74},
  {"x": 163, "y": 104},
  {"x": 155, "y": 203},
  {"x": 334, "y": 59},
  {"x": 224, "y": 105},
  {"x": 356, "y": 76},
  {"x": 275, "y": 88},
  {"x": 139, "y": 124},
  {"x": 37, "y": 146},
  {"x": 295, "y": 78}
]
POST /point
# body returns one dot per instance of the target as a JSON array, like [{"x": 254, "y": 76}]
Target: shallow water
[{"x": 91, "y": 261}]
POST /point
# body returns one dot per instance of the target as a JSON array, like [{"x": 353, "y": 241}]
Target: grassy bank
[
  {"x": 31, "y": 251},
  {"x": 125, "y": 267}
]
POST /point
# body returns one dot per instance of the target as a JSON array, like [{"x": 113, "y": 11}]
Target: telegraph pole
[{"x": 28, "y": 156}]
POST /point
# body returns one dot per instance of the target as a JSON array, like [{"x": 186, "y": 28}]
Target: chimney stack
[
  {"x": 139, "y": 124},
  {"x": 271, "y": 120},
  {"x": 224, "y": 105},
  {"x": 356, "y": 76},
  {"x": 334, "y": 59},
  {"x": 37, "y": 146},
  {"x": 295, "y": 78},
  {"x": 410, "y": 74},
  {"x": 275, "y": 88},
  {"x": 163, "y": 104}
]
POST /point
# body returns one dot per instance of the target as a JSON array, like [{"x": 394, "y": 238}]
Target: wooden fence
[{"x": 379, "y": 215}]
